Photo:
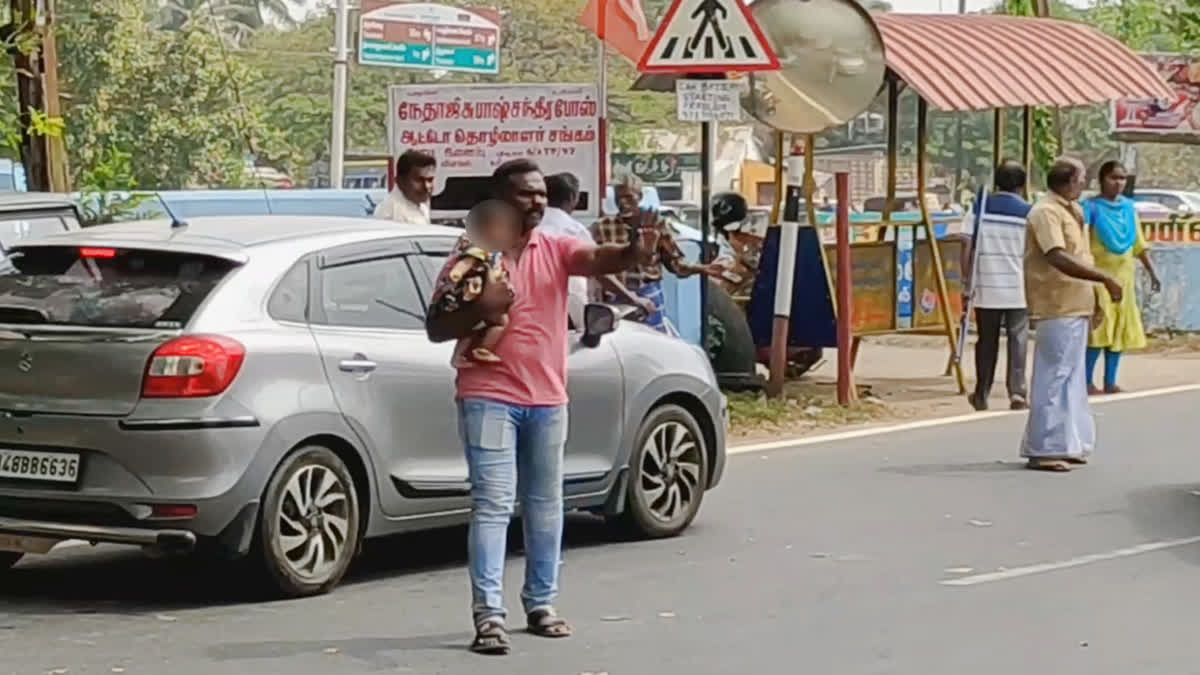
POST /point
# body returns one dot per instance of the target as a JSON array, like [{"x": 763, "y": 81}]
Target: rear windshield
[{"x": 106, "y": 287}]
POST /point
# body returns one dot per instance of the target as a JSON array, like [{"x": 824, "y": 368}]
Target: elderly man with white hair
[{"x": 645, "y": 280}]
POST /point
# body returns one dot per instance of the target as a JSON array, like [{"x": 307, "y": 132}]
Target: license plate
[
  {"x": 20, "y": 544},
  {"x": 53, "y": 467}
]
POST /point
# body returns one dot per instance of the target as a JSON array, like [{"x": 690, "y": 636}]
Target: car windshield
[{"x": 106, "y": 287}]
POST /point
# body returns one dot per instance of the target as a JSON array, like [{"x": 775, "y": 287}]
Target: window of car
[
  {"x": 289, "y": 300},
  {"x": 15, "y": 228},
  {"x": 376, "y": 293},
  {"x": 106, "y": 287},
  {"x": 1169, "y": 201}
]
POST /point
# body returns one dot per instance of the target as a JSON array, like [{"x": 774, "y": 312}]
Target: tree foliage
[
  {"x": 187, "y": 90},
  {"x": 170, "y": 99}
]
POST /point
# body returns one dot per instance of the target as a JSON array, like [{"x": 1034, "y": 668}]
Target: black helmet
[{"x": 728, "y": 208}]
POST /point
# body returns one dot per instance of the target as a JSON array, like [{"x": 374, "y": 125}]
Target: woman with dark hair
[{"x": 1116, "y": 240}]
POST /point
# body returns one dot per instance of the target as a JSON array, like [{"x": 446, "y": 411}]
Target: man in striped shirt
[{"x": 996, "y": 274}]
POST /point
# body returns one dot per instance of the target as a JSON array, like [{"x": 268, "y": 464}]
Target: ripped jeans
[{"x": 513, "y": 449}]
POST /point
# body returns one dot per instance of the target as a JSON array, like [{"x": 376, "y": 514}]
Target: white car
[{"x": 1175, "y": 201}]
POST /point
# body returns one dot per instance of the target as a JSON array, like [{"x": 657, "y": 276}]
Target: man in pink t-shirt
[{"x": 513, "y": 414}]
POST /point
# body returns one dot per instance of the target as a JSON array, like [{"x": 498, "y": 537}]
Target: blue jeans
[{"x": 504, "y": 442}]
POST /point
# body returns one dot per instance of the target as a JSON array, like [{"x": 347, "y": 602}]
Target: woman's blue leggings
[{"x": 1111, "y": 361}]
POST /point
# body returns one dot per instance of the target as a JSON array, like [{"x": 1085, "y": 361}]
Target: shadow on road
[
  {"x": 1166, "y": 512},
  {"x": 951, "y": 468},
  {"x": 112, "y": 580},
  {"x": 371, "y": 651}
]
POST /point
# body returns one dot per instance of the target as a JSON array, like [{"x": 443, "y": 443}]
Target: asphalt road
[{"x": 830, "y": 558}]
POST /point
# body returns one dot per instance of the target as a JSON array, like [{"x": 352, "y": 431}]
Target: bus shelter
[{"x": 957, "y": 64}]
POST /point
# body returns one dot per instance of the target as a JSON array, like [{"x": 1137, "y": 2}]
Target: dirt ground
[{"x": 901, "y": 378}]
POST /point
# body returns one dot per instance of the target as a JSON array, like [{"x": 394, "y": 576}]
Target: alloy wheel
[
  {"x": 670, "y": 471},
  {"x": 313, "y": 523}
]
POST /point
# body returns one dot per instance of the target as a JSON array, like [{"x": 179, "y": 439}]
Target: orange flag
[{"x": 625, "y": 27}]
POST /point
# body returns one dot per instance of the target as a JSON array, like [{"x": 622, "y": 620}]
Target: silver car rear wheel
[
  {"x": 310, "y": 522},
  {"x": 668, "y": 473},
  {"x": 313, "y": 522}
]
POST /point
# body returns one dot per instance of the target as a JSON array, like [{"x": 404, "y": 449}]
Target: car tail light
[
  {"x": 172, "y": 511},
  {"x": 90, "y": 252},
  {"x": 193, "y": 366}
]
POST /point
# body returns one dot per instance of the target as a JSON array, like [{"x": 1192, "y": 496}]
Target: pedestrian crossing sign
[{"x": 708, "y": 36}]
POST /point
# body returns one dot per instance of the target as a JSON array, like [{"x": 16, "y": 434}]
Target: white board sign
[
  {"x": 708, "y": 100},
  {"x": 473, "y": 128}
]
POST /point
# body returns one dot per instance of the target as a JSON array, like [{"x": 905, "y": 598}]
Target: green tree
[{"x": 169, "y": 99}]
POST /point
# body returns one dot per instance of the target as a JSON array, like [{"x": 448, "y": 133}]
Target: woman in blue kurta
[{"x": 1116, "y": 241}]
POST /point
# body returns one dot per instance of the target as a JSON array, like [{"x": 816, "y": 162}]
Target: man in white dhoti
[{"x": 1060, "y": 289}]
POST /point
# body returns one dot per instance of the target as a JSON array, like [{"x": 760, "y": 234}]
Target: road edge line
[{"x": 801, "y": 441}]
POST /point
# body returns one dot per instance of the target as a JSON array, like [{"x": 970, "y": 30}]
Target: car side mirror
[{"x": 598, "y": 320}]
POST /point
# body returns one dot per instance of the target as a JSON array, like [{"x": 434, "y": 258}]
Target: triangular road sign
[{"x": 708, "y": 36}]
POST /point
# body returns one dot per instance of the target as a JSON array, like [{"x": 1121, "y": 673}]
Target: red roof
[{"x": 979, "y": 62}]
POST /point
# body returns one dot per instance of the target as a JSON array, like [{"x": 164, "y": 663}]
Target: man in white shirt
[
  {"x": 562, "y": 196},
  {"x": 996, "y": 272},
  {"x": 408, "y": 202}
]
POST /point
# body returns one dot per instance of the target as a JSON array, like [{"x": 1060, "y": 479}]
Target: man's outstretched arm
[{"x": 603, "y": 259}]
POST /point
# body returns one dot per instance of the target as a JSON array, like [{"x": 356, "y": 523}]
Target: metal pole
[
  {"x": 56, "y": 148},
  {"x": 706, "y": 158},
  {"x": 337, "y": 143},
  {"x": 780, "y": 183},
  {"x": 845, "y": 333},
  {"x": 789, "y": 233},
  {"x": 1027, "y": 144},
  {"x": 939, "y": 270},
  {"x": 602, "y": 93}
]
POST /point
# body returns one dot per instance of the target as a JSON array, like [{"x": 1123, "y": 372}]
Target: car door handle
[{"x": 357, "y": 366}]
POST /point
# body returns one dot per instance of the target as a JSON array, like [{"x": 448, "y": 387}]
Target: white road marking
[
  {"x": 937, "y": 422},
  {"x": 1041, "y": 568}
]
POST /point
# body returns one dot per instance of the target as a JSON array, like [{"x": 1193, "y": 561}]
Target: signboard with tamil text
[
  {"x": 473, "y": 128},
  {"x": 656, "y": 168},
  {"x": 1176, "y": 230},
  {"x": 429, "y": 37}
]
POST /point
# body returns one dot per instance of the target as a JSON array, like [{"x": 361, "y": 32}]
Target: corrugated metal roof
[{"x": 979, "y": 62}]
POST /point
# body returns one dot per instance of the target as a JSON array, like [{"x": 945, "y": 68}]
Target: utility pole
[
  {"x": 337, "y": 143},
  {"x": 959, "y": 151},
  {"x": 43, "y": 156},
  {"x": 30, "y": 97},
  {"x": 55, "y": 145}
]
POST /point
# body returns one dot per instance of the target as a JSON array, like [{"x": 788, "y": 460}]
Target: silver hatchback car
[{"x": 264, "y": 386}]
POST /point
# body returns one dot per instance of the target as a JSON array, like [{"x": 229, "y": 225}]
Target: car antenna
[
  {"x": 237, "y": 98},
  {"x": 176, "y": 223}
]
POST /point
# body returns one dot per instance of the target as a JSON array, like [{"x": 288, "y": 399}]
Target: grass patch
[
  {"x": 797, "y": 410},
  {"x": 1172, "y": 343}
]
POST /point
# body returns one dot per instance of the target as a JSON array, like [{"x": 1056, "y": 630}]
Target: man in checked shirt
[{"x": 644, "y": 281}]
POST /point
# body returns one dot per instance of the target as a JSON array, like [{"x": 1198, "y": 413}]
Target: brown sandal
[
  {"x": 1053, "y": 465},
  {"x": 545, "y": 623},
  {"x": 491, "y": 638}
]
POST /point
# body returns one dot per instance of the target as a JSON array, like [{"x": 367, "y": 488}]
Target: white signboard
[
  {"x": 473, "y": 128},
  {"x": 708, "y": 100}
]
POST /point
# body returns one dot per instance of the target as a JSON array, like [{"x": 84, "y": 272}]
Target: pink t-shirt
[{"x": 533, "y": 349}]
